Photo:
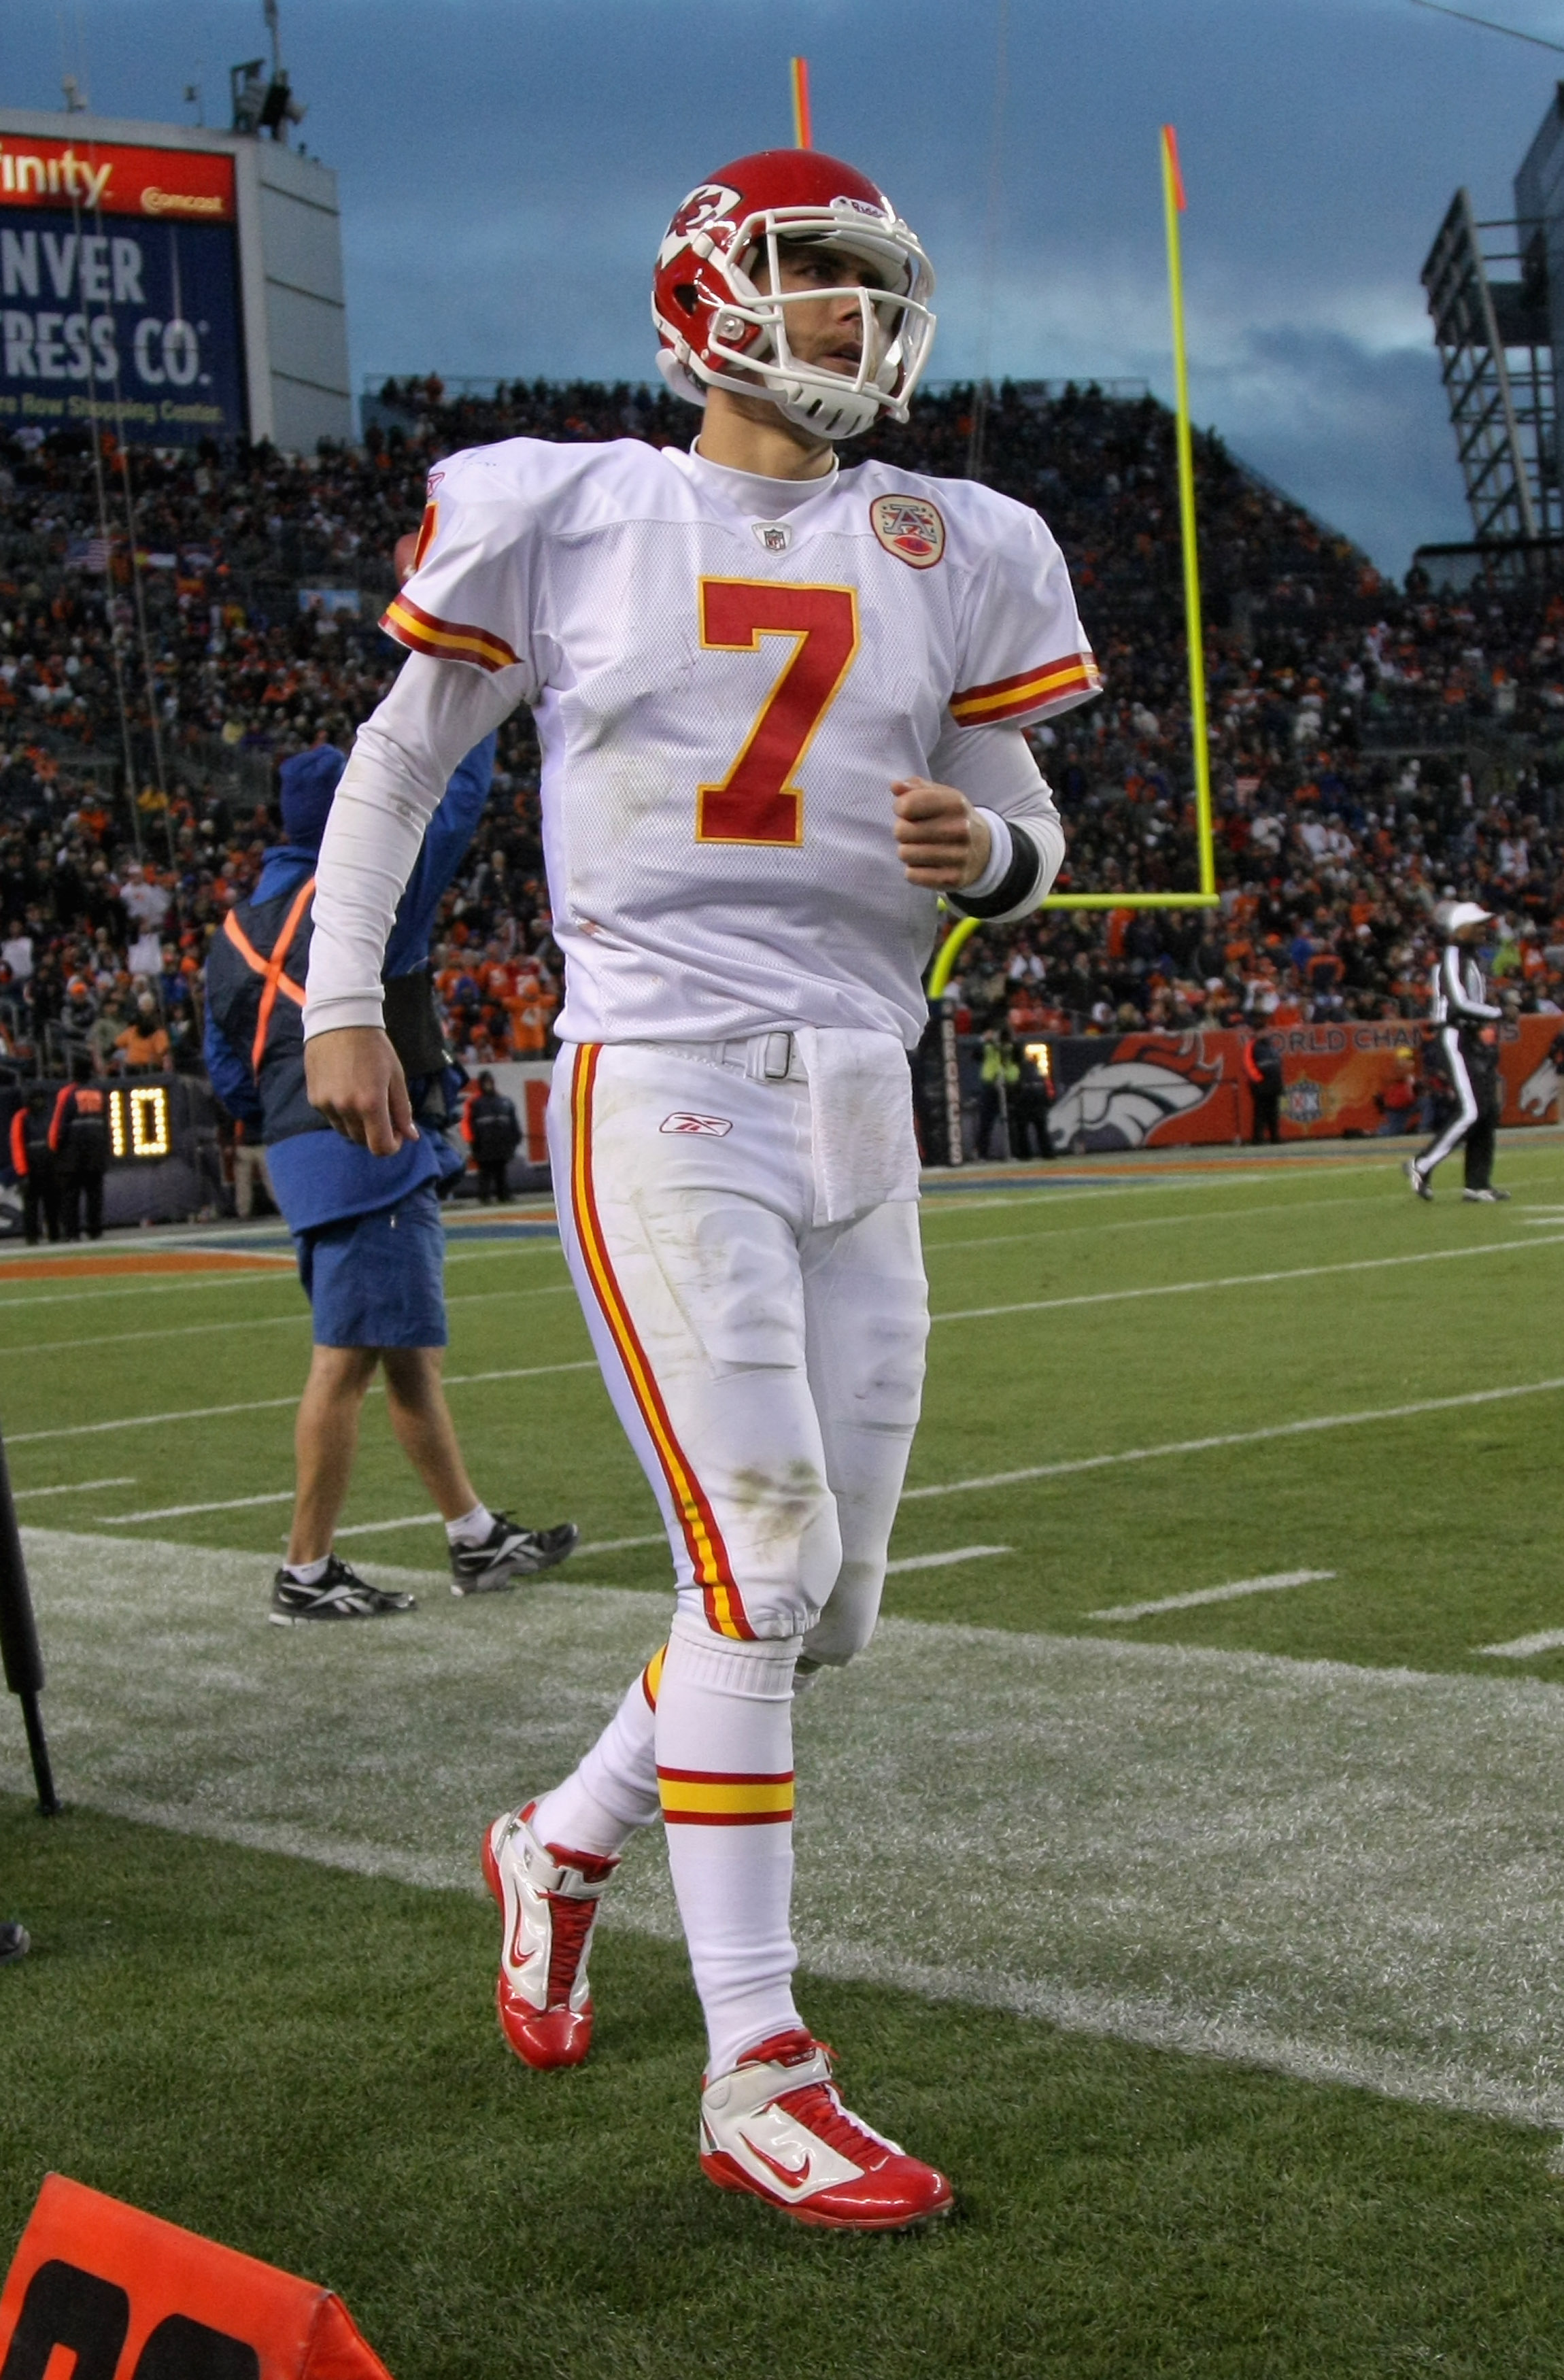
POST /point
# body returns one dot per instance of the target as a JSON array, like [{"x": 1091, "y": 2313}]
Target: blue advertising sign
[{"x": 122, "y": 309}]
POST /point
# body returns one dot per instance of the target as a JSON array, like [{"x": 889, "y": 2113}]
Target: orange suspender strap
[
  {"x": 270, "y": 970},
  {"x": 18, "y": 1144}
]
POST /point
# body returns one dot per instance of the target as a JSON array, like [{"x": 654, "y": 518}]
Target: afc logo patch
[
  {"x": 713, "y": 1127},
  {"x": 910, "y": 527}
]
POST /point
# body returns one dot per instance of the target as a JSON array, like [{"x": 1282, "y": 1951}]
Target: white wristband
[{"x": 1001, "y": 851}]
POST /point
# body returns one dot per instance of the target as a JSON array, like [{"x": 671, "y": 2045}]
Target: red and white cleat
[
  {"x": 549, "y": 1899},
  {"x": 776, "y": 2127}
]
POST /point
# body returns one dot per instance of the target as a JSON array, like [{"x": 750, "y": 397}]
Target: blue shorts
[{"x": 378, "y": 1280}]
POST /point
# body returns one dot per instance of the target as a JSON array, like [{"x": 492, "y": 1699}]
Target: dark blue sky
[{"x": 507, "y": 166}]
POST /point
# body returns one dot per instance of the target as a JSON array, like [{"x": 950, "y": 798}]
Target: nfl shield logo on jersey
[
  {"x": 775, "y": 535},
  {"x": 910, "y": 527}
]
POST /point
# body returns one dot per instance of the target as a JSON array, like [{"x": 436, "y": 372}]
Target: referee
[{"x": 1468, "y": 1027}]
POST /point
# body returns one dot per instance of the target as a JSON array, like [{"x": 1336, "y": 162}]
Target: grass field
[{"x": 1215, "y": 1949}]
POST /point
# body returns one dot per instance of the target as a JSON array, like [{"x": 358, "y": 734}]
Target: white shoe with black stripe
[{"x": 507, "y": 1553}]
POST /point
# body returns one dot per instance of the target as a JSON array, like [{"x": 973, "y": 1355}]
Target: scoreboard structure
[
  {"x": 169, "y": 285},
  {"x": 164, "y": 1162}
]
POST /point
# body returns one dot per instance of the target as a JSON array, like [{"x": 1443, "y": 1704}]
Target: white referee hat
[{"x": 1454, "y": 915}]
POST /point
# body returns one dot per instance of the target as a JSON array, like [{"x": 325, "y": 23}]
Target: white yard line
[
  {"x": 1522, "y": 1648},
  {"x": 183, "y": 1511},
  {"x": 271, "y": 1405},
  {"x": 1240, "y": 1586},
  {"x": 525, "y": 1372},
  {"x": 1154, "y": 1223},
  {"x": 1352, "y": 1875},
  {"x": 1233, "y": 1437},
  {"x": 623, "y": 1544},
  {"x": 380, "y": 1528},
  {"x": 273, "y": 1278},
  {"x": 72, "y": 1488},
  {"x": 945, "y": 1561},
  {"x": 256, "y": 1322},
  {"x": 1245, "y": 1280}
]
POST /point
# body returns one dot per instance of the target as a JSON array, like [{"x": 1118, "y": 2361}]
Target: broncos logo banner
[{"x": 1162, "y": 1090}]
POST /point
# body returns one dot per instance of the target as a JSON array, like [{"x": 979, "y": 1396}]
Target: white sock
[
  {"x": 472, "y": 1528},
  {"x": 613, "y": 1790},
  {"x": 724, "y": 1767},
  {"x": 307, "y": 1573}
]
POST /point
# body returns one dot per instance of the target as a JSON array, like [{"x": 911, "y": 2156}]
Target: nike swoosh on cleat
[
  {"x": 792, "y": 2177},
  {"x": 517, "y": 1956}
]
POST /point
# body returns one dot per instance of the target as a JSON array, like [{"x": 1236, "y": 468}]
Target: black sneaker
[
  {"x": 507, "y": 1553},
  {"x": 338, "y": 1594},
  {"x": 1485, "y": 1198},
  {"x": 14, "y": 1943},
  {"x": 1417, "y": 1180}
]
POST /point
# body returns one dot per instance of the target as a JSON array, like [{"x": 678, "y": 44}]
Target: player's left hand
[{"x": 940, "y": 840}]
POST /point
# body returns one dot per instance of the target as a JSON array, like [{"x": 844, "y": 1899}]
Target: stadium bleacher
[{"x": 1373, "y": 746}]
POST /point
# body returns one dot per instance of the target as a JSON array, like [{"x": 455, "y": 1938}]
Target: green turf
[
  {"x": 306, "y": 2065},
  {"x": 1396, "y": 1509},
  {"x": 303, "y": 2062}
]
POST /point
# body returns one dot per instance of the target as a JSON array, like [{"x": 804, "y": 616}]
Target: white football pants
[{"x": 768, "y": 1373}]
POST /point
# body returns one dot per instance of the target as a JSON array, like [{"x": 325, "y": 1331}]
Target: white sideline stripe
[
  {"x": 71, "y": 1488},
  {"x": 1348, "y": 1875},
  {"x": 1245, "y": 1280},
  {"x": 1213, "y": 1594},
  {"x": 181, "y": 1511},
  {"x": 1233, "y": 1437},
  {"x": 271, "y": 1405},
  {"x": 944, "y": 1562},
  {"x": 623, "y": 1544},
  {"x": 1521, "y": 1649},
  {"x": 257, "y": 1322}
]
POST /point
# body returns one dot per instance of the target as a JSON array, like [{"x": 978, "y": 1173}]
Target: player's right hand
[{"x": 355, "y": 1080}]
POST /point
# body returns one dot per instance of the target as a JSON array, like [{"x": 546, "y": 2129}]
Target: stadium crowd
[{"x": 1372, "y": 747}]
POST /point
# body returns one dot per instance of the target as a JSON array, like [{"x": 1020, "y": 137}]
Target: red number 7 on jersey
[{"x": 757, "y": 800}]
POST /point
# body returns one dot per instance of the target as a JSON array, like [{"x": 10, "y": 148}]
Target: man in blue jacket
[{"x": 368, "y": 1229}]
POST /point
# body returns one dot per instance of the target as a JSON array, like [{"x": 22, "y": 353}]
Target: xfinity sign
[{"x": 119, "y": 291}]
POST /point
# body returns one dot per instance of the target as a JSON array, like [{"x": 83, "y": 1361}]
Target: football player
[{"x": 781, "y": 705}]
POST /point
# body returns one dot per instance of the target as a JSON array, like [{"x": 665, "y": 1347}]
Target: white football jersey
[{"x": 722, "y": 703}]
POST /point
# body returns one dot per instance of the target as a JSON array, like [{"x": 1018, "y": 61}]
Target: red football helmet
[{"x": 718, "y": 328}]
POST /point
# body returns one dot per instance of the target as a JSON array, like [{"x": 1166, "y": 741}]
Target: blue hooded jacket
[{"x": 319, "y": 1177}]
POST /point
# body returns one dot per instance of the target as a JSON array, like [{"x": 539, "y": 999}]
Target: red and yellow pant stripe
[
  {"x": 651, "y": 1675},
  {"x": 708, "y": 1555},
  {"x": 717, "y": 1797}
]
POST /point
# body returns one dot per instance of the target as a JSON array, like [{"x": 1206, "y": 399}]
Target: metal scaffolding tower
[{"x": 1495, "y": 357}]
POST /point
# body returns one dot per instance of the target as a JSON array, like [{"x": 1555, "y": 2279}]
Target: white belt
[{"x": 763, "y": 1058}]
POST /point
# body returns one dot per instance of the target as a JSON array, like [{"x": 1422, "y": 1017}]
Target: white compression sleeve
[
  {"x": 995, "y": 769},
  {"x": 402, "y": 762}
]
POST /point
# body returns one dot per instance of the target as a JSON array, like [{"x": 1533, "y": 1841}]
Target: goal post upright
[{"x": 1174, "y": 206}]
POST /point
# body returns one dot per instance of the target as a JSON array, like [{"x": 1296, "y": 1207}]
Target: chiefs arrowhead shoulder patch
[{"x": 910, "y": 527}]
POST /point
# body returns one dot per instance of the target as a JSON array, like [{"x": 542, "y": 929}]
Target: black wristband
[{"x": 1018, "y": 880}]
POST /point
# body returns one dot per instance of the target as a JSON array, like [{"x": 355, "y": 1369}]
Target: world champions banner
[{"x": 119, "y": 291}]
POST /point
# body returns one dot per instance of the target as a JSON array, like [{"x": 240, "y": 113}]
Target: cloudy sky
[{"x": 507, "y": 166}]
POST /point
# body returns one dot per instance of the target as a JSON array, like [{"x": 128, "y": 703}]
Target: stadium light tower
[{"x": 1496, "y": 293}]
